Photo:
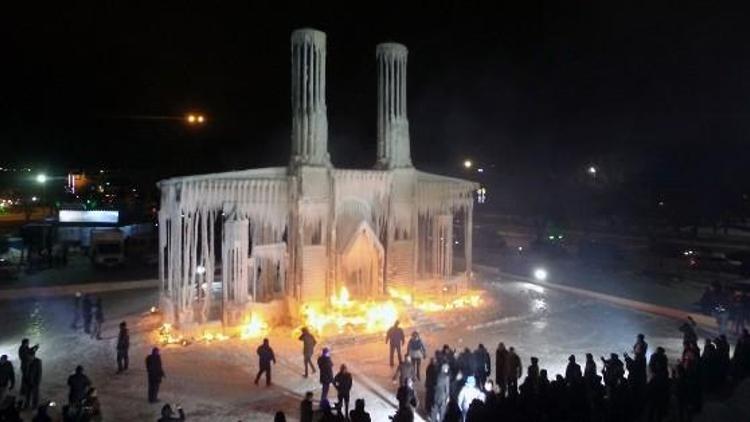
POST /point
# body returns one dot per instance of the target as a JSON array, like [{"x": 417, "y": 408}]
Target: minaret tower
[
  {"x": 393, "y": 125},
  {"x": 309, "y": 120}
]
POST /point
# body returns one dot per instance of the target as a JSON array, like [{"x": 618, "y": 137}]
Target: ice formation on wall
[{"x": 303, "y": 231}]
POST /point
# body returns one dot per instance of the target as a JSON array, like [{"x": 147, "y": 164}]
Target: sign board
[{"x": 98, "y": 216}]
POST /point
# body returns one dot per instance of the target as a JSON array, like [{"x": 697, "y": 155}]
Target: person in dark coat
[
  {"x": 24, "y": 356},
  {"x": 343, "y": 384},
  {"x": 430, "y": 382},
  {"x": 32, "y": 379},
  {"x": 123, "y": 346},
  {"x": 515, "y": 369},
  {"x": 359, "y": 414},
  {"x": 501, "y": 369},
  {"x": 265, "y": 357},
  {"x": 406, "y": 396},
  {"x": 483, "y": 365},
  {"x": 325, "y": 366},
  {"x": 155, "y": 374},
  {"x": 98, "y": 318},
  {"x": 76, "y": 311},
  {"x": 87, "y": 309},
  {"x": 572, "y": 371},
  {"x": 279, "y": 417},
  {"x": 78, "y": 385},
  {"x": 395, "y": 339},
  {"x": 442, "y": 394},
  {"x": 7, "y": 377},
  {"x": 308, "y": 348},
  {"x": 306, "y": 408}
]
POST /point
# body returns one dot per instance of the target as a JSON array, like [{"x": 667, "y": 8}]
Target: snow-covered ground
[{"x": 214, "y": 382}]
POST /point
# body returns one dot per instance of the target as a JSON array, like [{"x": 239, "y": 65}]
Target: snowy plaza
[{"x": 214, "y": 382}]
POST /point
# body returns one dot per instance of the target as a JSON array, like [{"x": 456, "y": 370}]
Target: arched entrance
[{"x": 361, "y": 263}]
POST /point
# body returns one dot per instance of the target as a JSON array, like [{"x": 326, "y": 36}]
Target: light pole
[{"x": 41, "y": 179}]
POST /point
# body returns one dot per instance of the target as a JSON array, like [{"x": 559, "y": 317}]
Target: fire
[
  {"x": 167, "y": 335},
  {"x": 345, "y": 314},
  {"x": 254, "y": 327}
]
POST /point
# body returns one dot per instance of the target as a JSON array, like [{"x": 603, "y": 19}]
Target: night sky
[{"x": 661, "y": 91}]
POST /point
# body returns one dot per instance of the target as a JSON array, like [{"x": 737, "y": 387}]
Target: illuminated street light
[
  {"x": 468, "y": 164},
  {"x": 41, "y": 178},
  {"x": 540, "y": 274},
  {"x": 592, "y": 170},
  {"x": 34, "y": 199},
  {"x": 195, "y": 119}
]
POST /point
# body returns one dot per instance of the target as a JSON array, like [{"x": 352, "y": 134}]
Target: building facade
[{"x": 300, "y": 232}]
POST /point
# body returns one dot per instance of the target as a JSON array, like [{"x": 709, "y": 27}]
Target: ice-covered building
[{"x": 297, "y": 233}]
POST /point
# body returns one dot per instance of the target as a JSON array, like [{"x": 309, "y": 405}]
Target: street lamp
[
  {"x": 468, "y": 164},
  {"x": 41, "y": 178},
  {"x": 195, "y": 119},
  {"x": 592, "y": 170}
]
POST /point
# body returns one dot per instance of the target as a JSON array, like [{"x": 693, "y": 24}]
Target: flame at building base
[{"x": 342, "y": 315}]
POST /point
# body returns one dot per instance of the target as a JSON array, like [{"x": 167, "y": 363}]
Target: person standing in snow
[
  {"x": 87, "y": 309},
  {"x": 416, "y": 351},
  {"x": 155, "y": 374},
  {"x": 265, "y": 357},
  {"x": 308, "y": 348},
  {"x": 98, "y": 319},
  {"x": 395, "y": 339},
  {"x": 325, "y": 366},
  {"x": 76, "y": 311},
  {"x": 7, "y": 377},
  {"x": 343, "y": 384},
  {"x": 123, "y": 345}
]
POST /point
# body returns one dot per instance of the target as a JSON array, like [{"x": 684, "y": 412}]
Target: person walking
[
  {"x": 76, "y": 311},
  {"x": 325, "y": 366},
  {"x": 501, "y": 369},
  {"x": 308, "y": 348},
  {"x": 87, "y": 308},
  {"x": 7, "y": 377},
  {"x": 483, "y": 365},
  {"x": 442, "y": 394},
  {"x": 395, "y": 339},
  {"x": 430, "y": 382},
  {"x": 98, "y": 319},
  {"x": 404, "y": 371},
  {"x": 343, "y": 384},
  {"x": 416, "y": 351},
  {"x": 32, "y": 379},
  {"x": 123, "y": 346},
  {"x": 155, "y": 374},
  {"x": 78, "y": 385},
  {"x": 265, "y": 357}
]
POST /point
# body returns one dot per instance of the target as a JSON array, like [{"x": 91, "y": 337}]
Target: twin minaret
[{"x": 309, "y": 119}]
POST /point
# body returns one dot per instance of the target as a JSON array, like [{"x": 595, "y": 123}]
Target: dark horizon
[{"x": 653, "y": 93}]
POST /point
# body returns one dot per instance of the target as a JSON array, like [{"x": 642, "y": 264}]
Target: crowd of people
[
  {"x": 465, "y": 385},
  {"x": 461, "y": 386},
  {"x": 730, "y": 308}
]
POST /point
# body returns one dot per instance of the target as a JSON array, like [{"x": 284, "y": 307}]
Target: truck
[{"x": 107, "y": 247}]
